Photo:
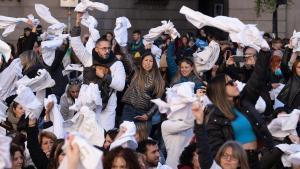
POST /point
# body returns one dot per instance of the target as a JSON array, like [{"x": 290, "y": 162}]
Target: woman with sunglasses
[{"x": 232, "y": 115}]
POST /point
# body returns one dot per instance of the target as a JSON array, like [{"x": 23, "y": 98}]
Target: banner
[{"x": 68, "y": 3}]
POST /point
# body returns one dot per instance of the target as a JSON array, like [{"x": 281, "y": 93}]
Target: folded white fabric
[
  {"x": 89, "y": 95},
  {"x": 91, "y": 23},
  {"x": 8, "y": 79},
  {"x": 42, "y": 81},
  {"x": 284, "y": 124},
  {"x": 48, "y": 50},
  {"x": 5, "y": 161},
  {"x": 85, "y": 5},
  {"x": 44, "y": 13},
  {"x": 126, "y": 136},
  {"x": 9, "y": 23},
  {"x": 33, "y": 107},
  {"x": 206, "y": 59},
  {"x": 55, "y": 116},
  {"x": 3, "y": 109},
  {"x": 179, "y": 97},
  {"x": 166, "y": 27},
  {"x": 247, "y": 35},
  {"x": 296, "y": 41},
  {"x": 90, "y": 157},
  {"x": 120, "y": 31},
  {"x": 260, "y": 105},
  {"x": 72, "y": 67},
  {"x": 85, "y": 123},
  {"x": 291, "y": 154},
  {"x": 5, "y": 50}
]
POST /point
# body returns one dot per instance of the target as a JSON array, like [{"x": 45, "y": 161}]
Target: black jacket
[
  {"x": 26, "y": 43},
  {"x": 219, "y": 127}
]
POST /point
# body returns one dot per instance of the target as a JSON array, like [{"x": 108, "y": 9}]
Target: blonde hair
[{"x": 28, "y": 59}]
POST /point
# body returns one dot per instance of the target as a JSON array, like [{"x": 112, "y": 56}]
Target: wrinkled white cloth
[
  {"x": 3, "y": 109},
  {"x": 291, "y": 154},
  {"x": 161, "y": 166},
  {"x": 85, "y": 5},
  {"x": 108, "y": 115},
  {"x": 247, "y": 35},
  {"x": 274, "y": 92},
  {"x": 72, "y": 67},
  {"x": 5, "y": 50},
  {"x": 91, "y": 23},
  {"x": 5, "y": 161},
  {"x": 260, "y": 104},
  {"x": 48, "y": 49},
  {"x": 156, "y": 51},
  {"x": 9, "y": 77},
  {"x": 33, "y": 107},
  {"x": 296, "y": 41},
  {"x": 154, "y": 33},
  {"x": 55, "y": 117},
  {"x": 120, "y": 31},
  {"x": 9, "y": 23},
  {"x": 284, "y": 124},
  {"x": 89, "y": 95},
  {"x": 127, "y": 138},
  {"x": 85, "y": 123},
  {"x": 206, "y": 59},
  {"x": 42, "y": 81},
  {"x": 90, "y": 157},
  {"x": 178, "y": 97},
  {"x": 44, "y": 13}
]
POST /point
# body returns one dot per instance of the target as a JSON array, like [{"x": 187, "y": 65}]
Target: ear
[{"x": 96, "y": 49}]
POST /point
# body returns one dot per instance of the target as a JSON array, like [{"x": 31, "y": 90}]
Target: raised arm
[{"x": 172, "y": 66}]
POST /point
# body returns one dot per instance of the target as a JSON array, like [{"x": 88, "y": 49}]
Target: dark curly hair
[
  {"x": 127, "y": 154},
  {"x": 186, "y": 157}
]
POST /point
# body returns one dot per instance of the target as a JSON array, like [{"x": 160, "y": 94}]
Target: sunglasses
[
  {"x": 230, "y": 82},
  {"x": 74, "y": 82}
]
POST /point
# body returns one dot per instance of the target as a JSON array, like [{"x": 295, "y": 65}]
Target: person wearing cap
[{"x": 27, "y": 40}]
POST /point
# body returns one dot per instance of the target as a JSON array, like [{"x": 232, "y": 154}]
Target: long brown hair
[
  {"x": 216, "y": 92},
  {"x": 28, "y": 59},
  {"x": 140, "y": 78},
  {"x": 178, "y": 74},
  {"x": 275, "y": 62},
  {"x": 54, "y": 154},
  {"x": 237, "y": 151},
  {"x": 294, "y": 67}
]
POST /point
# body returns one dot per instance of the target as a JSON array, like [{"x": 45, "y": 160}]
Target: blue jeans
[{"x": 129, "y": 113}]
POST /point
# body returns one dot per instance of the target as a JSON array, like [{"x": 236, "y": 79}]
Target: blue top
[{"x": 242, "y": 129}]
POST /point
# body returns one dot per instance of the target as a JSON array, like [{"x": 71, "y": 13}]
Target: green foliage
[{"x": 266, "y": 5}]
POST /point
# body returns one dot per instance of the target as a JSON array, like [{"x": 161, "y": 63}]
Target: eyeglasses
[
  {"x": 105, "y": 49},
  {"x": 229, "y": 157},
  {"x": 230, "y": 82}
]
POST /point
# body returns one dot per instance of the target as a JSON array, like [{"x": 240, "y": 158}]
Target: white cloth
[
  {"x": 33, "y": 107},
  {"x": 85, "y": 5},
  {"x": 85, "y": 123},
  {"x": 89, "y": 95},
  {"x": 9, "y": 23},
  {"x": 120, "y": 31},
  {"x": 3, "y": 109},
  {"x": 72, "y": 67},
  {"x": 5, "y": 50},
  {"x": 247, "y": 35},
  {"x": 156, "y": 51},
  {"x": 90, "y": 157},
  {"x": 284, "y": 124},
  {"x": 42, "y": 81},
  {"x": 126, "y": 139},
  {"x": 5, "y": 161},
  {"x": 44, "y": 13},
  {"x": 291, "y": 154},
  {"x": 260, "y": 104},
  {"x": 296, "y": 41},
  {"x": 108, "y": 115},
  {"x": 8, "y": 79},
  {"x": 161, "y": 166},
  {"x": 91, "y": 23},
  {"x": 206, "y": 59},
  {"x": 48, "y": 50},
  {"x": 55, "y": 117},
  {"x": 166, "y": 27}
]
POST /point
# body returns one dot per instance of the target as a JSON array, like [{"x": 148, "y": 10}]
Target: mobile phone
[
  {"x": 239, "y": 58},
  {"x": 228, "y": 53}
]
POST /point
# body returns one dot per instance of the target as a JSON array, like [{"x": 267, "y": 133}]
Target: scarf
[{"x": 107, "y": 62}]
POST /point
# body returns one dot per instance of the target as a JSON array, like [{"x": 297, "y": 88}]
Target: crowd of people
[{"x": 163, "y": 100}]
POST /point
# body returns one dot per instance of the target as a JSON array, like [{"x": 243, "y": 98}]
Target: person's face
[
  {"x": 119, "y": 163},
  {"x": 195, "y": 160},
  {"x": 74, "y": 91},
  {"x": 185, "y": 69},
  {"x": 136, "y": 36},
  {"x": 107, "y": 142},
  {"x": 27, "y": 33},
  {"x": 228, "y": 161},
  {"x": 231, "y": 88},
  {"x": 61, "y": 157},
  {"x": 277, "y": 45},
  {"x": 147, "y": 63},
  {"x": 18, "y": 111},
  {"x": 47, "y": 144},
  {"x": 250, "y": 52},
  {"x": 184, "y": 40},
  {"x": 103, "y": 49},
  {"x": 298, "y": 69},
  {"x": 109, "y": 37},
  {"x": 17, "y": 161},
  {"x": 152, "y": 155}
]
